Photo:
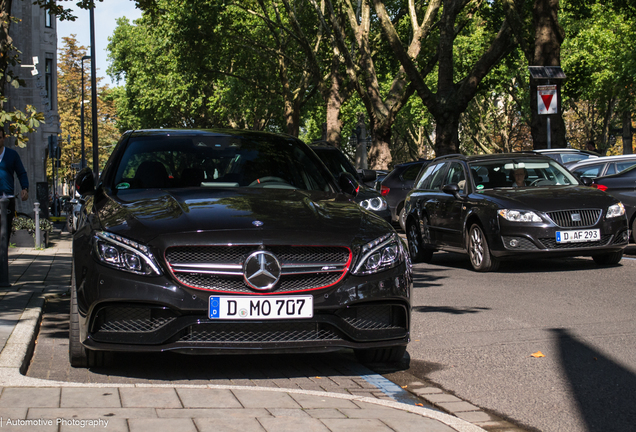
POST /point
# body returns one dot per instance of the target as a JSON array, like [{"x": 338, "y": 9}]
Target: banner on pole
[{"x": 547, "y": 99}]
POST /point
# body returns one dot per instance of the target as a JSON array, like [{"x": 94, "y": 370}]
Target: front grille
[
  {"x": 551, "y": 243},
  {"x": 220, "y": 268},
  {"x": 132, "y": 319},
  {"x": 260, "y": 332},
  {"x": 585, "y": 218}
]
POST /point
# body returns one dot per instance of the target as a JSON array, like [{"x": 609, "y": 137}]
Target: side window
[
  {"x": 410, "y": 174},
  {"x": 589, "y": 171},
  {"x": 426, "y": 176},
  {"x": 437, "y": 178},
  {"x": 621, "y": 166},
  {"x": 456, "y": 176},
  {"x": 610, "y": 169}
]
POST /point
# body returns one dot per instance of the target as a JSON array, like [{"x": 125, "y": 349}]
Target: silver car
[{"x": 601, "y": 166}]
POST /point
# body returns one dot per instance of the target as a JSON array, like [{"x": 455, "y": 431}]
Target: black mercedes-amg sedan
[
  {"x": 227, "y": 242},
  {"x": 511, "y": 206}
]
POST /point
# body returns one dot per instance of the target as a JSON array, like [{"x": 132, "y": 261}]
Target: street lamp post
[
  {"x": 83, "y": 163},
  {"x": 94, "y": 97}
]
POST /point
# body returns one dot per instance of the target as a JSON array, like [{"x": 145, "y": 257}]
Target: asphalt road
[{"x": 474, "y": 335}]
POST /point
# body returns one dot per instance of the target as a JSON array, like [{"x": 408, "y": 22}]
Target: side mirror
[
  {"x": 348, "y": 183},
  {"x": 367, "y": 175},
  {"x": 85, "y": 182},
  {"x": 587, "y": 181},
  {"x": 451, "y": 189}
]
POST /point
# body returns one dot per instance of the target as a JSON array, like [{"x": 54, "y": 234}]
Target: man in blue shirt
[{"x": 10, "y": 164}]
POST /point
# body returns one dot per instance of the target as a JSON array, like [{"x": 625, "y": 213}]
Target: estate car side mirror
[
  {"x": 85, "y": 182},
  {"x": 587, "y": 181},
  {"x": 451, "y": 189},
  {"x": 348, "y": 183},
  {"x": 367, "y": 175}
]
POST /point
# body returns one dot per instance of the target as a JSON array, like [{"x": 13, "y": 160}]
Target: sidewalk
[{"x": 32, "y": 404}]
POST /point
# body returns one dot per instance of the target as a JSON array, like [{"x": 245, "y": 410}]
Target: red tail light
[
  {"x": 384, "y": 190},
  {"x": 600, "y": 187}
]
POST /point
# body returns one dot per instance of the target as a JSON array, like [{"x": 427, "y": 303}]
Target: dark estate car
[
  {"x": 232, "y": 242},
  {"x": 397, "y": 184},
  {"x": 469, "y": 205},
  {"x": 622, "y": 186},
  {"x": 367, "y": 197},
  {"x": 602, "y": 166}
]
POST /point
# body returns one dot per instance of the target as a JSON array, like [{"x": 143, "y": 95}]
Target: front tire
[
  {"x": 479, "y": 251},
  {"x": 611, "y": 258},
  {"x": 381, "y": 355},
  {"x": 417, "y": 248}
]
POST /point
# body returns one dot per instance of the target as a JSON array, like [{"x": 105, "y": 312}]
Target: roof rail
[{"x": 449, "y": 156}]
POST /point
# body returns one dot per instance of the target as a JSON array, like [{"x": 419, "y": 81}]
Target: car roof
[
  {"x": 566, "y": 150},
  {"x": 209, "y": 132},
  {"x": 493, "y": 156},
  {"x": 600, "y": 160}
]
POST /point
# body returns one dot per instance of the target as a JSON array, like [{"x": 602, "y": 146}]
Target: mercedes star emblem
[{"x": 261, "y": 270}]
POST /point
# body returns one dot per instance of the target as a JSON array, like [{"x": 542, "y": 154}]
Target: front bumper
[
  {"x": 123, "y": 312},
  {"x": 515, "y": 239}
]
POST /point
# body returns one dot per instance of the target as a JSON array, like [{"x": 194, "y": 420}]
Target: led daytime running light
[{"x": 132, "y": 246}]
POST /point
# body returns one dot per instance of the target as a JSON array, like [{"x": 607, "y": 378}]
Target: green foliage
[{"x": 25, "y": 223}]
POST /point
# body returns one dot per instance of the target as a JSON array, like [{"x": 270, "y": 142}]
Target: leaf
[
  {"x": 419, "y": 404},
  {"x": 538, "y": 354}
]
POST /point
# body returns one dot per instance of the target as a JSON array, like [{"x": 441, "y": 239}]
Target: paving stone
[
  {"x": 420, "y": 424},
  {"x": 290, "y": 424},
  {"x": 441, "y": 397},
  {"x": 321, "y": 413},
  {"x": 154, "y": 425},
  {"x": 228, "y": 425},
  {"x": 30, "y": 397},
  {"x": 311, "y": 401},
  {"x": 457, "y": 407},
  {"x": 90, "y": 398},
  {"x": 6, "y": 413},
  {"x": 264, "y": 399},
  {"x": 474, "y": 416},
  {"x": 356, "y": 425},
  {"x": 235, "y": 413},
  {"x": 427, "y": 390},
  {"x": 148, "y": 397},
  {"x": 287, "y": 412},
  {"x": 378, "y": 413},
  {"x": 208, "y": 398},
  {"x": 105, "y": 413}
]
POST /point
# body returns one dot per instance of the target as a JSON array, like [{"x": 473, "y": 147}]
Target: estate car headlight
[
  {"x": 125, "y": 254},
  {"x": 374, "y": 204},
  {"x": 520, "y": 215},
  {"x": 616, "y": 210},
  {"x": 380, "y": 254}
]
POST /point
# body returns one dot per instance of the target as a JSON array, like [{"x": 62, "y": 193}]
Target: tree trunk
[
  {"x": 334, "y": 101},
  {"x": 380, "y": 153},
  {"x": 446, "y": 133},
  {"x": 627, "y": 132},
  {"x": 547, "y": 52}
]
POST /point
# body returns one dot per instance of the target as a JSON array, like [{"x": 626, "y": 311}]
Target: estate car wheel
[
  {"x": 479, "y": 251},
  {"x": 381, "y": 355},
  {"x": 608, "y": 258},
  {"x": 402, "y": 219},
  {"x": 79, "y": 356},
  {"x": 417, "y": 248}
]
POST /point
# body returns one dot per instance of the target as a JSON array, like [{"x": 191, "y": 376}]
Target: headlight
[
  {"x": 381, "y": 254},
  {"x": 616, "y": 210},
  {"x": 374, "y": 204},
  {"x": 520, "y": 216},
  {"x": 125, "y": 254}
]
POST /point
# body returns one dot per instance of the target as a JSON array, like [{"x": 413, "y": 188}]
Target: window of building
[
  {"x": 48, "y": 77},
  {"x": 48, "y": 19}
]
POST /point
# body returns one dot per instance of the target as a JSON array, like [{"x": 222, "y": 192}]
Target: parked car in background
[
  {"x": 337, "y": 163},
  {"x": 231, "y": 242},
  {"x": 397, "y": 184},
  {"x": 470, "y": 205},
  {"x": 622, "y": 186},
  {"x": 567, "y": 155},
  {"x": 602, "y": 166}
]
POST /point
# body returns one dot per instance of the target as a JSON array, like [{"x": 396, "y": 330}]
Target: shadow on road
[
  {"x": 603, "y": 389},
  {"x": 449, "y": 309}
]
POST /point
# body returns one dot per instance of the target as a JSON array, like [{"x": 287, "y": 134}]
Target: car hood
[
  {"x": 550, "y": 198},
  {"x": 197, "y": 216}
]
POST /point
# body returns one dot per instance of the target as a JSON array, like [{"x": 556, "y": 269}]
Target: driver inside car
[{"x": 519, "y": 177}]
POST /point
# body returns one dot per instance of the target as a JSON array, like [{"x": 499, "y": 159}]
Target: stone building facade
[{"x": 35, "y": 36}]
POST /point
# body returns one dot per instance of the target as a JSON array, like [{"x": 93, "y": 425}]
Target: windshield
[
  {"x": 336, "y": 161},
  {"x": 218, "y": 161},
  {"x": 519, "y": 172}
]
